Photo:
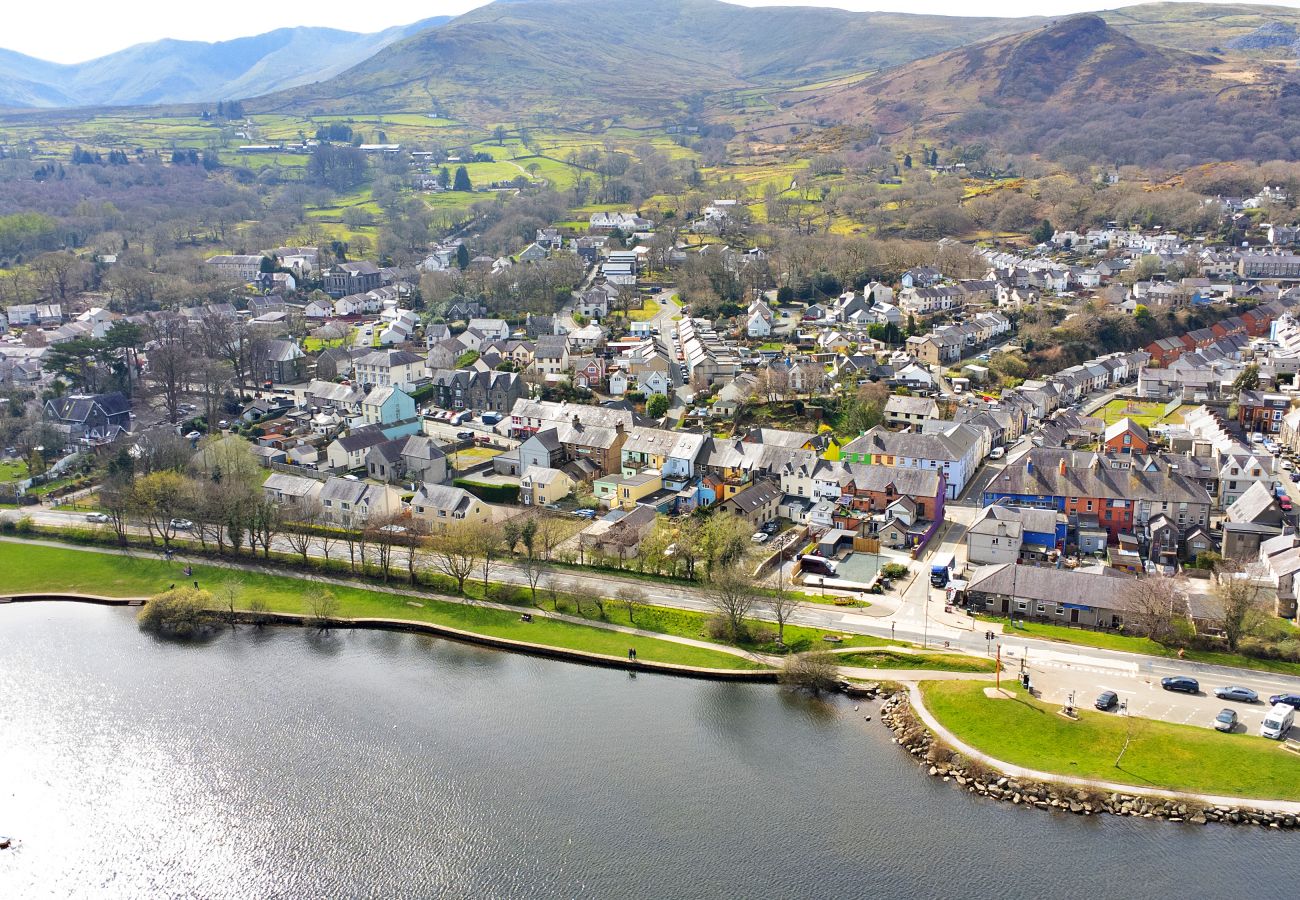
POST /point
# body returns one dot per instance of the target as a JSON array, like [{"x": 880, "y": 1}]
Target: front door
[{"x": 1074, "y": 617}]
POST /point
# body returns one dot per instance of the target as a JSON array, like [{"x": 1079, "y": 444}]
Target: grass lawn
[
  {"x": 12, "y": 470},
  {"x": 25, "y": 568},
  {"x": 1108, "y": 640},
  {"x": 649, "y": 309},
  {"x": 1028, "y": 733},
  {"x": 892, "y": 659},
  {"x": 1145, "y": 414}
]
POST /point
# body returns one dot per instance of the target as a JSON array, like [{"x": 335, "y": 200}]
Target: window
[
  {"x": 1022, "y": 606},
  {"x": 1041, "y": 608}
]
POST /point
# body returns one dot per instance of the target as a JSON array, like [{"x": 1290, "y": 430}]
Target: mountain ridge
[{"x": 177, "y": 71}]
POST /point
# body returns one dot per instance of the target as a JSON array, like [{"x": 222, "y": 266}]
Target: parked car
[
  {"x": 465, "y": 435},
  {"x": 1288, "y": 699},
  {"x": 1107, "y": 700},
  {"x": 1277, "y": 723},
  {"x": 1181, "y": 683},
  {"x": 1284, "y": 502},
  {"x": 1226, "y": 720},
  {"x": 1236, "y": 692},
  {"x": 182, "y": 524},
  {"x": 760, "y": 537},
  {"x": 997, "y": 453},
  {"x": 97, "y": 518}
]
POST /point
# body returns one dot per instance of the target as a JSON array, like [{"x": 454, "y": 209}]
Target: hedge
[{"x": 490, "y": 493}]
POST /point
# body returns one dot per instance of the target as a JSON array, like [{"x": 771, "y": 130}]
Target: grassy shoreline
[
  {"x": 26, "y": 568},
  {"x": 1029, "y": 733}
]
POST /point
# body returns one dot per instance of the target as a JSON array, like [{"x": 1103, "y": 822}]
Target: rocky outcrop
[{"x": 975, "y": 778}]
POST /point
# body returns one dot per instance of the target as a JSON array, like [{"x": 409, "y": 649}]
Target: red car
[{"x": 1285, "y": 502}]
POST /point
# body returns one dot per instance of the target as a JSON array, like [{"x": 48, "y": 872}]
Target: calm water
[{"x": 281, "y": 764}]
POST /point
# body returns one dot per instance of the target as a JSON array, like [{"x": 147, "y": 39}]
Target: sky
[{"x": 84, "y": 29}]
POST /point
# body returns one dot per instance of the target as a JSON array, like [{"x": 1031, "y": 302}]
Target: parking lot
[{"x": 1053, "y": 678}]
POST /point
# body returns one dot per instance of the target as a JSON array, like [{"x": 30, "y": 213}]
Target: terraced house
[
  {"x": 1121, "y": 500},
  {"x": 957, "y": 451}
]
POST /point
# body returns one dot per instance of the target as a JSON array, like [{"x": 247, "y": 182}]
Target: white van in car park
[{"x": 1278, "y": 721}]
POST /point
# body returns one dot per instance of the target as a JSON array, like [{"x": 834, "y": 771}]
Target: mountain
[
  {"x": 1079, "y": 86},
  {"x": 170, "y": 71},
  {"x": 1200, "y": 26},
  {"x": 575, "y": 59}
]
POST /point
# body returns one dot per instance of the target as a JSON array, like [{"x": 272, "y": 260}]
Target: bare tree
[
  {"x": 1238, "y": 606},
  {"x": 534, "y": 569},
  {"x": 229, "y": 594},
  {"x": 454, "y": 553},
  {"x": 815, "y": 672},
  {"x": 783, "y": 606},
  {"x": 307, "y": 518},
  {"x": 257, "y": 609},
  {"x": 265, "y": 523},
  {"x": 552, "y": 588},
  {"x": 488, "y": 537},
  {"x": 322, "y": 606},
  {"x": 732, "y": 596},
  {"x": 1155, "y": 607},
  {"x": 115, "y": 501},
  {"x": 414, "y": 539},
  {"x": 384, "y": 533},
  {"x": 633, "y": 599}
]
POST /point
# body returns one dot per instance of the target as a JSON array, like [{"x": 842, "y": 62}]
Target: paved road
[{"x": 920, "y": 617}]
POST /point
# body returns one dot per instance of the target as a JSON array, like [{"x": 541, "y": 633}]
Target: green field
[
  {"x": 893, "y": 659},
  {"x": 1144, "y": 414},
  {"x": 1026, "y": 732},
  {"x": 25, "y": 568},
  {"x": 1110, "y": 640},
  {"x": 12, "y": 470}
]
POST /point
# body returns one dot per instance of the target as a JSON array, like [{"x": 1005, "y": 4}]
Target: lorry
[{"x": 942, "y": 569}]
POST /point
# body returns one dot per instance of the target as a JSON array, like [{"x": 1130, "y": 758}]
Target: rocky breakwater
[{"x": 977, "y": 778}]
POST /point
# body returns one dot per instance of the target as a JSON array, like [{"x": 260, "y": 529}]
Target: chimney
[
  {"x": 577, "y": 422},
  {"x": 1060, "y": 469}
]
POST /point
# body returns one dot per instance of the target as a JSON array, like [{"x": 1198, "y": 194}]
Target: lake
[{"x": 284, "y": 763}]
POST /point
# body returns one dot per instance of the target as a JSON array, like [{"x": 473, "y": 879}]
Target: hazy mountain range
[{"x": 171, "y": 71}]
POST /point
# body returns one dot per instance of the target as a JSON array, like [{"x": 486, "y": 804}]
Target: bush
[
  {"x": 490, "y": 493},
  {"x": 894, "y": 570},
  {"x": 815, "y": 672},
  {"x": 182, "y": 612}
]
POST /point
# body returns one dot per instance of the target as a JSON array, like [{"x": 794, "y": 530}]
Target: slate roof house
[{"x": 98, "y": 417}]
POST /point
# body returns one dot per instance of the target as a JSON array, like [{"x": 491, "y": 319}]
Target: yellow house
[
  {"x": 625, "y": 491},
  {"x": 541, "y": 486}
]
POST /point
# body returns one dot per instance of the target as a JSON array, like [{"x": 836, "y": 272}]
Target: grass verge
[
  {"x": 26, "y": 568},
  {"x": 1029, "y": 733},
  {"x": 938, "y": 662},
  {"x": 1128, "y": 643}
]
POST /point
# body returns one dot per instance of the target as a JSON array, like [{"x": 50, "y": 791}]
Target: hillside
[
  {"x": 1074, "y": 86},
  {"x": 170, "y": 71},
  {"x": 576, "y": 59},
  {"x": 1199, "y": 26}
]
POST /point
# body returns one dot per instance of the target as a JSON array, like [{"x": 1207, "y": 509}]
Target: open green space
[
  {"x": 1110, "y": 640},
  {"x": 893, "y": 659},
  {"x": 12, "y": 470},
  {"x": 1029, "y": 733},
  {"x": 1144, "y": 414},
  {"x": 27, "y": 568}
]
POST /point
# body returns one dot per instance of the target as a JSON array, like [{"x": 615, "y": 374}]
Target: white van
[{"x": 1278, "y": 722}]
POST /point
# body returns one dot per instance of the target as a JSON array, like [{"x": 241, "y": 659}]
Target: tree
[
  {"x": 454, "y": 552},
  {"x": 462, "y": 182},
  {"x": 815, "y": 672},
  {"x": 656, "y": 407},
  {"x": 306, "y": 517},
  {"x": 462, "y": 257},
  {"x": 723, "y": 541},
  {"x": 783, "y": 606},
  {"x": 732, "y": 596},
  {"x": 499, "y": 134},
  {"x": 1238, "y": 606},
  {"x": 321, "y": 605},
  {"x": 1043, "y": 232},
  {"x": 183, "y": 611},
  {"x": 633, "y": 599},
  {"x": 1155, "y": 607},
  {"x": 1248, "y": 380},
  {"x": 487, "y": 538},
  {"x": 230, "y": 592},
  {"x": 534, "y": 569},
  {"x": 156, "y": 499}
]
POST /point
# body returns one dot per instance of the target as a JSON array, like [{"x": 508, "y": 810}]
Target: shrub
[
  {"x": 894, "y": 570},
  {"x": 182, "y": 612},
  {"x": 815, "y": 672}
]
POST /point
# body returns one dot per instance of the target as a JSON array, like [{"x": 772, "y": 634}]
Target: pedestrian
[
  {"x": 189, "y": 571},
  {"x": 196, "y": 584}
]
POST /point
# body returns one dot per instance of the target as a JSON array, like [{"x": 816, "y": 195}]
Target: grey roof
[
  {"x": 293, "y": 485},
  {"x": 914, "y": 406},
  {"x": 1100, "y": 591},
  {"x": 757, "y": 495},
  {"x": 1045, "y": 478},
  {"x": 660, "y": 441},
  {"x": 441, "y": 496},
  {"x": 950, "y": 445},
  {"x": 362, "y": 438},
  {"x": 1257, "y": 506}
]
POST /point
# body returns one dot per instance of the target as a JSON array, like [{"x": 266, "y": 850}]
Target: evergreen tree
[
  {"x": 907, "y": 160},
  {"x": 462, "y": 182},
  {"x": 462, "y": 257}
]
